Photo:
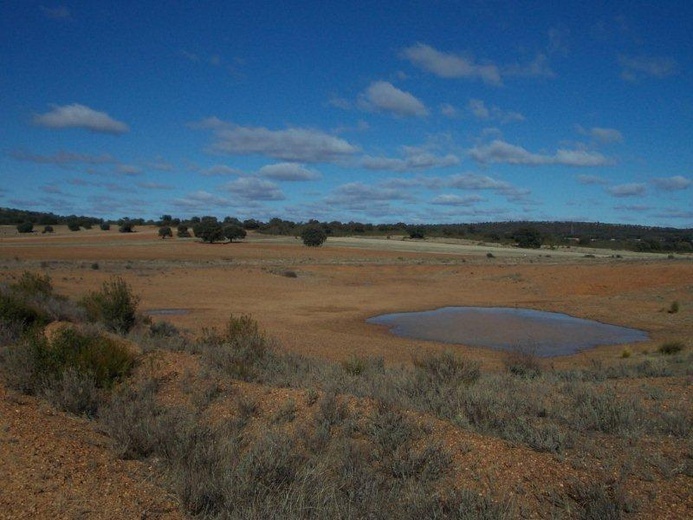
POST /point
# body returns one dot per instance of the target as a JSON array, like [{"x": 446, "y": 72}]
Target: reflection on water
[
  {"x": 167, "y": 312},
  {"x": 543, "y": 333}
]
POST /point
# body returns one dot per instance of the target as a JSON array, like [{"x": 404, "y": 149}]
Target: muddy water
[{"x": 542, "y": 333}]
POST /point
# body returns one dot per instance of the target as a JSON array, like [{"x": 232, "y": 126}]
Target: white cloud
[
  {"x": 501, "y": 152},
  {"x": 288, "y": 172},
  {"x": 293, "y": 144},
  {"x": 383, "y": 96},
  {"x": 474, "y": 181},
  {"x": 634, "y": 68},
  {"x": 362, "y": 194},
  {"x": 63, "y": 158},
  {"x": 154, "y": 186},
  {"x": 80, "y": 116},
  {"x": 448, "y": 65},
  {"x": 414, "y": 159},
  {"x": 678, "y": 182},
  {"x": 128, "y": 169},
  {"x": 201, "y": 201},
  {"x": 479, "y": 109},
  {"x": 538, "y": 67},
  {"x": 220, "y": 169},
  {"x": 252, "y": 188},
  {"x": 627, "y": 190},
  {"x": 456, "y": 200},
  {"x": 606, "y": 135}
]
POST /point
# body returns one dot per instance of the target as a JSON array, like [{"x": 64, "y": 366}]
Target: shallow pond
[{"x": 542, "y": 333}]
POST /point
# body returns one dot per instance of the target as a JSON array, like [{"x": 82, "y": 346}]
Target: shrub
[
  {"x": 313, "y": 236},
  {"x": 671, "y": 347},
  {"x": 673, "y": 308},
  {"x": 182, "y": 231},
  {"x": 73, "y": 226},
  {"x": 115, "y": 305},
  {"x": 209, "y": 231},
  {"x": 417, "y": 233},
  {"x": 234, "y": 232},
  {"x": 33, "y": 285},
  {"x": 165, "y": 231},
  {"x": 47, "y": 229},
  {"x": 529, "y": 238},
  {"x": 126, "y": 227},
  {"x": 25, "y": 227},
  {"x": 490, "y": 255},
  {"x": 523, "y": 362},
  {"x": 105, "y": 226}
]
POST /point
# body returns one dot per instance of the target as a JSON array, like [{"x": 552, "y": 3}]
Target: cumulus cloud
[
  {"x": 501, "y": 152},
  {"x": 293, "y": 144},
  {"x": 627, "y": 190},
  {"x": 383, "y": 96},
  {"x": 448, "y": 65},
  {"x": 80, "y": 116},
  {"x": 634, "y": 68},
  {"x": 414, "y": 159},
  {"x": 288, "y": 172},
  {"x": 678, "y": 182},
  {"x": 479, "y": 110},
  {"x": 474, "y": 181},
  {"x": 456, "y": 200},
  {"x": 357, "y": 194},
  {"x": 252, "y": 188}
]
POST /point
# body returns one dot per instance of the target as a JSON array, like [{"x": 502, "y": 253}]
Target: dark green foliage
[
  {"x": 529, "y": 238},
  {"x": 115, "y": 305},
  {"x": 671, "y": 347},
  {"x": 417, "y": 233},
  {"x": 105, "y": 226},
  {"x": 234, "y": 231},
  {"x": 37, "y": 365},
  {"x": 165, "y": 231},
  {"x": 25, "y": 227},
  {"x": 209, "y": 231},
  {"x": 313, "y": 235},
  {"x": 73, "y": 226},
  {"x": 182, "y": 231},
  {"x": 47, "y": 229},
  {"x": 674, "y": 307},
  {"x": 126, "y": 227}
]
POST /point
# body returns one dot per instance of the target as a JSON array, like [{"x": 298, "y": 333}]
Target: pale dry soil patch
[{"x": 315, "y": 302}]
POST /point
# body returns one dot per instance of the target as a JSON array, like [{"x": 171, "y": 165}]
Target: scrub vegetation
[{"x": 356, "y": 439}]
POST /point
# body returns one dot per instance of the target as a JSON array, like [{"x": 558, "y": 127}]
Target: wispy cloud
[
  {"x": 62, "y": 158},
  {"x": 290, "y": 172},
  {"x": 634, "y": 68},
  {"x": 479, "y": 110},
  {"x": 591, "y": 179},
  {"x": 632, "y": 189},
  {"x": 501, "y": 152},
  {"x": 678, "y": 182},
  {"x": 80, "y": 116},
  {"x": 474, "y": 181},
  {"x": 201, "y": 201},
  {"x": 293, "y": 144},
  {"x": 252, "y": 188},
  {"x": 456, "y": 200},
  {"x": 382, "y": 96},
  {"x": 220, "y": 169},
  {"x": 602, "y": 135},
  {"x": 414, "y": 159},
  {"x": 154, "y": 186},
  {"x": 449, "y": 65}
]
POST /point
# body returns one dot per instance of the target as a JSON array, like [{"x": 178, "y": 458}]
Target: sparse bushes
[
  {"x": 165, "y": 231},
  {"x": 671, "y": 347},
  {"x": 313, "y": 235},
  {"x": 115, "y": 305}
]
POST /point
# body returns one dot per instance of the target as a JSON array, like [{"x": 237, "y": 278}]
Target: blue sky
[{"x": 432, "y": 111}]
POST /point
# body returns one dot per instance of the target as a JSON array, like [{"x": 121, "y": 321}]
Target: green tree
[
  {"x": 25, "y": 227},
  {"x": 165, "y": 231},
  {"x": 417, "y": 232},
  {"x": 528, "y": 238},
  {"x": 234, "y": 231},
  {"x": 182, "y": 231},
  {"x": 73, "y": 226},
  {"x": 209, "y": 231},
  {"x": 313, "y": 235}
]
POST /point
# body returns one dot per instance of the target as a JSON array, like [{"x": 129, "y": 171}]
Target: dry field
[{"x": 314, "y": 302}]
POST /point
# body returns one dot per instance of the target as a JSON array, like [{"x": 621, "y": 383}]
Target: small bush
[
  {"x": 182, "y": 231},
  {"x": 523, "y": 363},
  {"x": 673, "y": 308},
  {"x": 671, "y": 347},
  {"x": 25, "y": 227},
  {"x": 115, "y": 305},
  {"x": 105, "y": 226},
  {"x": 490, "y": 255},
  {"x": 47, "y": 229},
  {"x": 73, "y": 226},
  {"x": 165, "y": 231},
  {"x": 313, "y": 236}
]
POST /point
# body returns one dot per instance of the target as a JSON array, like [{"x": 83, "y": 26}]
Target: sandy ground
[{"x": 314, "y": 301}]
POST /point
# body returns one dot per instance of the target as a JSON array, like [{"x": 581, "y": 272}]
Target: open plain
[{"x": 314, "y": 302}]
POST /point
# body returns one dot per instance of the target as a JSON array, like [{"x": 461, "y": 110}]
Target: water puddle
[
  {"x": 167, "y": 312},
  {"x": 542, "y": 333}
]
